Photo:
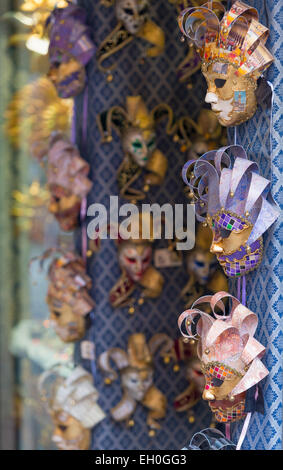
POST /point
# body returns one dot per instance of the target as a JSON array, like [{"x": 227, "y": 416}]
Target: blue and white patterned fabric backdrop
[
  {"x": 156, "y": 81},
  {"x": 263, "y": 285}
]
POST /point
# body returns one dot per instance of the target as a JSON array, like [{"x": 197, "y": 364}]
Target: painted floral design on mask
[
  {"x": 229, "y": 353},
  {"x": 233, "y": 56},
  {"x": 234, "y": 200}
]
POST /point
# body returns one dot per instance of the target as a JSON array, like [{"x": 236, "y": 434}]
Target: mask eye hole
[
  {"x": 137, "y": 144},
  {"x": 131, "y": 260},
  {"x": 216, "y": 382},
  {"x": 143, "y": 11},
  {"x": 200, "y": 264},
  {"x": 62, "y": 427},
  {"x": 128, "y": 11},
  {"x": 224, "y": 233},
  {"x": 219, "y": 82},
  {"x": 57, "y": 314}
]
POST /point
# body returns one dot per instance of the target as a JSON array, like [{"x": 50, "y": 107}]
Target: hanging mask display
[
  {"x": 71, "y": 401},
  {"x": 36, "y": 111},
  {"x": 234, "y": 200},
  {"x": 135, "y": 126},
  {"x": 133, "y": 21},
  {"x": 233, "y": 56},
  {"x": 201, "y": 264},
  {"x": 70, "y": 50},
  {"x": 67, "y": 181},
  {"x": 137, "y": 378},
  {"x": 229, "y": 354},
  {"x": 135, "y": 260},
  {"x": 68, "y": 299}
]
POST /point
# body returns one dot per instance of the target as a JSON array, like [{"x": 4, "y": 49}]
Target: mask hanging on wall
[
  {"x": 233, "y": 56},
  {"x": 36, "y": 111},
  {"x": 229, "y": 354},
  {"x": 133, "y": 21},
  {"x": 71, "y": 400},
  {"x": 234, "y": 200},
  {"x": 136, "y": 126},
  {"x": 68, "y": 299},
  {"x": 204, "y": 277},
  {"x": 137, "y": 378},
  {"x": 135, "y": 258},
  {"x": 67, "y": 181},
  {"x": 70, "y": 50}
]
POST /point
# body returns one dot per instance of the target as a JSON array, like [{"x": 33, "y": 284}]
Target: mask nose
[
  {"x": 211, "y": 98},
  {"x": 208, "y": 396},
  {"x": 72, "y": 324},
  {"x": 215, "y": 248}
]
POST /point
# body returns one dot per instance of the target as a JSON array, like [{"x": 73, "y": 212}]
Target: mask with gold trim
[
  {"x": 229, "y": 353},
  {"x": 136, "y": 127},
  {"x": 204, "y": 277},
  {"x": 135, "y": 258},
  {"x": 235, "y": 201},
  {"x": 68, "y": 299},
  {"x": 71, "y": 400},
  {"x": 233, "y": 56},
  {"x": 133, "y": 21},
  {"x": 70, "y": 50},
  {"x": 67, "y": 181},
  {"x": 37, "y": 111},
  {"x": 137, "y": 375}
]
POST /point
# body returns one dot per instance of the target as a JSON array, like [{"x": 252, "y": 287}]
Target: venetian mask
[
  {"x": 229, "y": 353},
  {"x": 135, "y": 259},
  {"x": 233, "y": 56},
  {"x": 65, "y": 208},
  {"x": 137, "y": 382},
  {"x": 232, "y": 97},
  {"x": 68, "y": 325},
  {"x": 139, "y": 144},
  {"x": 67, "y": 77},
  {"x": 202, "y": 264},
  {"x": 132, "y": 13},
  {"x": 234, "y": 202},
  {"x": 69, "y": 433}
]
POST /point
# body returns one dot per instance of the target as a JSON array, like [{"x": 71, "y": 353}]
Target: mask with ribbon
[
  {"x": 234, "y": 200},
  {"x": 229, "y": 354},
  {"x": 233, "y": 56}
]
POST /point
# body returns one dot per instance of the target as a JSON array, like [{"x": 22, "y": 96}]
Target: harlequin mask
[
  {"x": 233, "y": 55},
  {"x": 136, "y": 370},
  {"x": 68, "y": 298},
  {"x": 229, "y": 353},
  {"x": 133, "y": 21},
  {"x": 70, "y": 50},
  {"x": 135, "y": 259},
  {"x": 72, "y": 404},
  {"x": 132, "y": 13},
  {"x": 234, "y": 199},
  {"x": 67, "y": 181},
  {"x": 139, "y": 144}
]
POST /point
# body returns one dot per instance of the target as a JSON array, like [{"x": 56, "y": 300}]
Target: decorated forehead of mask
[
  {"x": 231, "y": 197},
  {"x": 229, "y": 353},
  {"x": 71, "y": 393},
  {"x": 133, "y": 20},
  {"x": 232, "y": 49}
]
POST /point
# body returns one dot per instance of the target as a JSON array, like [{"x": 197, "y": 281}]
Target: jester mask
[
  {"x": 137, "y": 374},
  {"x": 132, "y": 21},
  {"x": 67, "y": 181},
  {"x": 70, "y": 50},
  {"x": 233, "y": 56},
  {"x": 72, "y": 403},
  {"x": 68, "y": 298},
  {"x": 135, "y": 258},
  {"x": 233, "y": 199},
  {"x": 229, "y": 354}
]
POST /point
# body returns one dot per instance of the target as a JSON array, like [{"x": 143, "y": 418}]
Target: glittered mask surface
[
  {"x": 135, "y": 259},
  {"x": 139, "y": 144},
  {"x": 132, "y": 13},
  {"x": 69, "y": 434},
  {"x": 232, "y": 97}
]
